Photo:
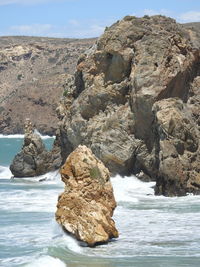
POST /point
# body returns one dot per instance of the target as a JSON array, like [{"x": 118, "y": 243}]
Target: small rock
[{"x": 33, "y": 159}]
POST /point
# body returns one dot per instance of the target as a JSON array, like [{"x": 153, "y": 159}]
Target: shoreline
[{"x": 22, "y": 136}]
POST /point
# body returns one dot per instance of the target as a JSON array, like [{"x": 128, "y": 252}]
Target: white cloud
[
  {"x": 33, "y": 30},
  {"x": 73, "y": 29},
  {"x": 190, "y": 16}
]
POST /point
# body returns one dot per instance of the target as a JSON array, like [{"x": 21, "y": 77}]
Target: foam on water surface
[
  {"x": 46, "y": 261},
  {"x": 154, "y": 230},
  {"x": 32, "y": 194},
  {"x": 19, "y": 136},
  {"x": 129, "y": 189},
  {"x": 12, "y": 136},
  {"x": 5, "y": 172}
]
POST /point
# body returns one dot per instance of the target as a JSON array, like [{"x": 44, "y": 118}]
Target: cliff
[
  {"x": 32, "y": 73},
  {"x": 193, "y": 26},
  {"x": 134, "y": 100}
]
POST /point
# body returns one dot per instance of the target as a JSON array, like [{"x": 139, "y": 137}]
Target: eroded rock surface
[
  {"x": 32, "y": 72},
  {"x": 179, "y": 151},
  {"x": 34, "y": 159},
  {"x": 86, "y": 207},
  {"x": 109, "y": 103}
]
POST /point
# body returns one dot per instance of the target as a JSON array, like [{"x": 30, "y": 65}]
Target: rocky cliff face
[
  {"x": 86, "y": 207},
  {"x": 32, "y": 72},
  {"x": 134, "y": 100}
]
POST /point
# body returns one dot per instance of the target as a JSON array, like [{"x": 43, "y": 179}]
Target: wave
[
  {"x": 61, "y": 239},
  {"x": 5, "y": 172},
  {"x": 143, "y": 220},
  {"x": 12, "y": 136},
  {"x": 22, "y": 136},
  {"x": 31, "y": 194},
  {"x": 43, "y": 136},
  {"x": 130, "y": 189},
  {"x": 44, "y": 261},
  {"x": 50, "y": 177}
]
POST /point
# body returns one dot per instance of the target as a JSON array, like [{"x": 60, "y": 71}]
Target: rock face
[
  {"x": 179, "y": 150},
  {"x": 34, "y": 159},
  {"x": 32, "y": 73},
  {"x": 87, "y": 204},
  {"x": 139, "y": 70}
]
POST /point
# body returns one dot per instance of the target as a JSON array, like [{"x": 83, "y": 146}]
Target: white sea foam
[
  {"x": 32, "y": 200},
  {"x": 43, "y": 136},
  {"x": 71, "y": 243},
  {"x": 5, "y": 173},
  {"x": 128, "y": 189},
  {"x": 22, "y": 136},
  {"x": 50, "y": 178},
  {"x": 34, "y": 195},
  {"x": 46, "y": 261},
  {"x": 12, "y": 136},
  {"x": 64, "y": 240},
  {"x": 148, "y": 225}
]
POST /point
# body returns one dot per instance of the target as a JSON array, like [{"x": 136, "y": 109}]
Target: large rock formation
[
  {"x": 139, "y": 70},
  {"x": 86, "y": 207},
  {"x": 34, "y": 159},
  {"x": 32, "y": 72}
]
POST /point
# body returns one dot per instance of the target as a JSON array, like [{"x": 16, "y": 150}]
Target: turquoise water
[{"x": 154, "y": 231}]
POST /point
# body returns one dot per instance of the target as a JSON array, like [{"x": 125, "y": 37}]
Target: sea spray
[
  {"x": 5, "y": 172},
  {"x": 43, "y": 136},
  {"x": 129, "y": 189}
]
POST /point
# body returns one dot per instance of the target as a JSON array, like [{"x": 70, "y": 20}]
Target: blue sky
[{"x": 84, "y": 18}]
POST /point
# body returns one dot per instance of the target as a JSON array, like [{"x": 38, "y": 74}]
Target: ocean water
[{"x": 154, "y": 231}]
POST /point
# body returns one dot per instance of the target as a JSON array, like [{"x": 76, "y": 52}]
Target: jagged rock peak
[{"x": 28, "y": 127}]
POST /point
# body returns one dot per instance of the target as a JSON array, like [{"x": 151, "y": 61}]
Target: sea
[{"x": 154, "y": 231}]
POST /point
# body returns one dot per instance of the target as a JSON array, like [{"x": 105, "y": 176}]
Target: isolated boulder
[
  {"x": 33, "y": 159},
  {"x": 86, "y": 207}
]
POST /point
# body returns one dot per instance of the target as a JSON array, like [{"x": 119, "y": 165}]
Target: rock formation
[
  {"x": 34, "y": 159},
  {"x": 179, "y": 150},
  {"x": 134, "y": 101},
  {"x": 87, "y": 204}
]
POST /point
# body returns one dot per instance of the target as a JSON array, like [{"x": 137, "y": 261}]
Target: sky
[{"x": 84, "y": 18}]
